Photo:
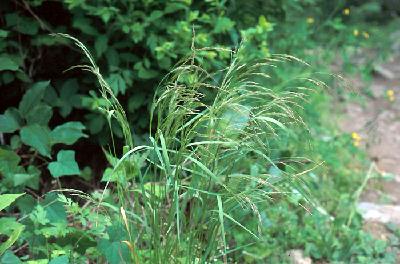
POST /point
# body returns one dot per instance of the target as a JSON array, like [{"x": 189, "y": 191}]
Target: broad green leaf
[
  {"x": 7, "y": 77},
  {"x": 113, "y": 249},
  {"x": 37, "y": 137},
  {"x": 69, "y": 97},
  {"x": 113, "y": 58},
  {"x": 32, "y": 97},
  {"x": 144, "y": 73},
  {"x": 60, "y": 260},
  {"x": 95, "y": 122},
  {"x": 15, "y": 142},
  {"x": 69, "y": 88},
  {"x": 3, "y": 33},
  {"x": 28, "y": 26},
  {"x": 9, "y": 258},
  {"x": 22, "y": 24},
  {"x": 55, "y": 210},
  {"x": 22, "y": 178},
  {"x": 29, "y": 178},
  {"x": 7, "y": 199},
  {"x": 40, "y": 114},
  {"x": 223, "y": 24},
  {"x": 100, "y": 45},
  {"x": 9, "y": 161},
  {"x": 115, "y": 252},
  {"x": 65, "y": 164},
  {"x": 10, "y": 121},
  {"x": 68, "y": 133},
  {"x": 50, "y": 96},
  {"x": 7, "y": 64},
  {"x": 136, "y": 101},
  {"x": 117, "y": 83},
  {"x": 84, "y": 24}
]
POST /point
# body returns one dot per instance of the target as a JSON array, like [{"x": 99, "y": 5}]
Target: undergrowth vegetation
[{"x": 197, "y": 137}]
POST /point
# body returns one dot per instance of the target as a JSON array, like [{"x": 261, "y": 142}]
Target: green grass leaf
[
  {"x": 65, "y": 164},
  {"x": 7, "y": 199},
  {"x": 12, "y": 229}
]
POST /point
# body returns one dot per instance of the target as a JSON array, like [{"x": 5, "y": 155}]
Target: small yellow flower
[
  {"x": 346, "y": 11},
  {"x": 390, "y": 95},
  {"x": 365, "y": 34},
  {"x": 356, "y": 32},
  {"x": 356, "y": 139},
  {"x": 355, "y": 136},
  {"x": 310, "y": 20}
]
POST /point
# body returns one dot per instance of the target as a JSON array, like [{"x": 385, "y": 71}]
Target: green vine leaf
[
  {"x": 37, "y": 137},
  {"x": 32, "y": 97},
  {"x": 68, "y": 133},
  {"x": 65, "y": 164}
]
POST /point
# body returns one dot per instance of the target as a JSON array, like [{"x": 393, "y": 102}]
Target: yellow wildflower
[
  {"x": 310, "y": 20},
  {"x": 365, "y": 34},
  {"x": 390, "y": 95},
  {"x": 356, "y": 32},
  {"x": 346, "y": 11},
  {"x": 356, "y": 139}
]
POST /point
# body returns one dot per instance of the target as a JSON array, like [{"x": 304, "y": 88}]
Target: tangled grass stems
[{"x": 196, "y": 186}]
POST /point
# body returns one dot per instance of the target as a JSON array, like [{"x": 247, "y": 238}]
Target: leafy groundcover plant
[{"x": 207, "y": 168}]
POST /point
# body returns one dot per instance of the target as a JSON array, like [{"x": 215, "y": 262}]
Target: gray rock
[
  {"x": 384, "y": 72},
  {"x": 296, "y": 256},
  {"x": 380, "y": 213}
]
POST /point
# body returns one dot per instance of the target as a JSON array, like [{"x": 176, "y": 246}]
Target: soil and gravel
[{"x": 377, "y": 120}]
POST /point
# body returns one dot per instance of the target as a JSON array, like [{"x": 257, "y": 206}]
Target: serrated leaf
[
  {"x": 65, "y": 164},
  {"x": 10, "y": 121},
  {"x": 7, "y": 64},
  {"x": 32, "y": 97},
  {"x": 68, "y": 133},
  {"x": 37, "y": 137},
  {"x": 40, "y": 114},
  {"x": 7, "y": 199}
]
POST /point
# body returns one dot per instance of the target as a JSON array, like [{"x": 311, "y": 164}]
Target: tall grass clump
[{"x": 208, "y": 168}]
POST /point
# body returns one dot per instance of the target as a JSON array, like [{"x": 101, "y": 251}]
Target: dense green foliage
[{"x": 194, "y": 129}]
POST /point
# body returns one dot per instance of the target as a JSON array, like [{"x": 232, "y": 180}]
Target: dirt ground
[{"x": 377, "y": 121}]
